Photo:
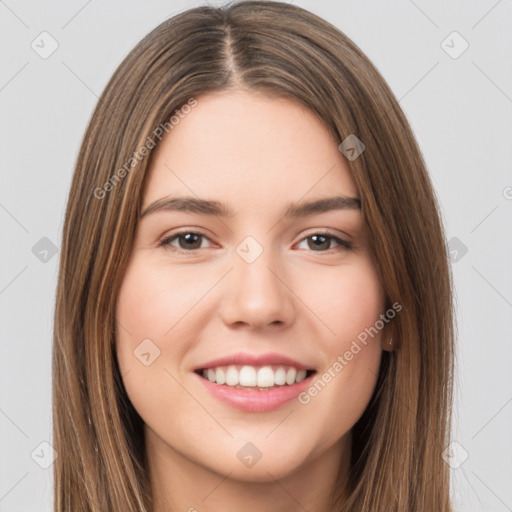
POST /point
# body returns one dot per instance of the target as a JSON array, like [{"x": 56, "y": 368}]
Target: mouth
[
  {"x": 255, "y": 383},
  {"x": 255, "y": 377}
]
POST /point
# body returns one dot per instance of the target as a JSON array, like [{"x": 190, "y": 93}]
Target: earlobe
[
  {"x": 386, "y": 337},
  {"x": 387, "y": 343}
]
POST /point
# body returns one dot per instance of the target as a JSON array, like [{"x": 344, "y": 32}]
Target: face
[{"x": 243, "y": 318}]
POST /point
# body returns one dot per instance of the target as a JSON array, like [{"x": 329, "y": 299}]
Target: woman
[{"x": 254, "y": 308}]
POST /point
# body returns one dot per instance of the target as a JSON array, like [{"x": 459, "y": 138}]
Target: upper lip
[{"x": 254, "y": 360}]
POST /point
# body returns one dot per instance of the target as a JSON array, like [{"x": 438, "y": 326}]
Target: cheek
[
  {"x": 343, "y": 387},
  {"x": 147, "y": 308},
  {"x": 155, "y": 302},
  {"x": 165, "y": 304},
  {"x": 346, "y": 300},
  {"x": 151, "y": 313},
  {"x": 357, "y": 304}
]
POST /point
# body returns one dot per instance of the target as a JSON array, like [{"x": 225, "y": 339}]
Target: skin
[{"x": 256, "y": 155}]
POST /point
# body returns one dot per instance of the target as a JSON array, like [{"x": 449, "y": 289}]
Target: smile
[
  {"x": 255, "y": 383},
  {"x": 255, "y": 377}
]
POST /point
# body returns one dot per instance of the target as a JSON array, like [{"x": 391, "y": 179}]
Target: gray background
[{"x": 460, "y": 109}]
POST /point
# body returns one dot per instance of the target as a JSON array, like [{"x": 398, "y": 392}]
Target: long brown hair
[{"x": 285, "y": 51}]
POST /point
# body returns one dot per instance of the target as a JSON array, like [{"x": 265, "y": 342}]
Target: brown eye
[
  {"x": 190, "y": 241},
  {"x": 187, "y": 241},
  {"x": 319, "y": 242},
  {"x": 322, "y": 242}
]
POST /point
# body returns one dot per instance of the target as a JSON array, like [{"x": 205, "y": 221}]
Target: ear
[{"x": 387, "y": 342}]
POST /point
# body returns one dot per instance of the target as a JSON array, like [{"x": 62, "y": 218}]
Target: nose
[{"x": 257, "y": 295}]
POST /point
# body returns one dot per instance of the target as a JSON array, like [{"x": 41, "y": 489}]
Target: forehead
[{"x": 250, "y": 151}]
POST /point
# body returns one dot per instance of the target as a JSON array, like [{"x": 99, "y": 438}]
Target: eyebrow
[{"x": 215, "y": 208}]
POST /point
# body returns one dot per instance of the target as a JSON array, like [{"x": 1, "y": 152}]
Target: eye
[
  {"x": 321, "y": 242},
  {"x": 187, "y": 241}
]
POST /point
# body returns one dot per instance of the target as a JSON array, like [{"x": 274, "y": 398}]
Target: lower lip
[{"x": 252, "y": 400}]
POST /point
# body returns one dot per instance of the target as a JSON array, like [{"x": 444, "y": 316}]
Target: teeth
[
  {"x": 301, "y": 375},
  {"x": 290, "y": 376},
  {"x": 280, "y": 376},
  {"x": 232, "y": 376},
  {"x": 220, "y": 376},
  {"x": 250, "y": 376},
  {"x": 265, "y": 377}
]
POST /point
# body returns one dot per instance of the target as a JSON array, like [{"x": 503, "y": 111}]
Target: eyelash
[{"x": 166, "y": 242}]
